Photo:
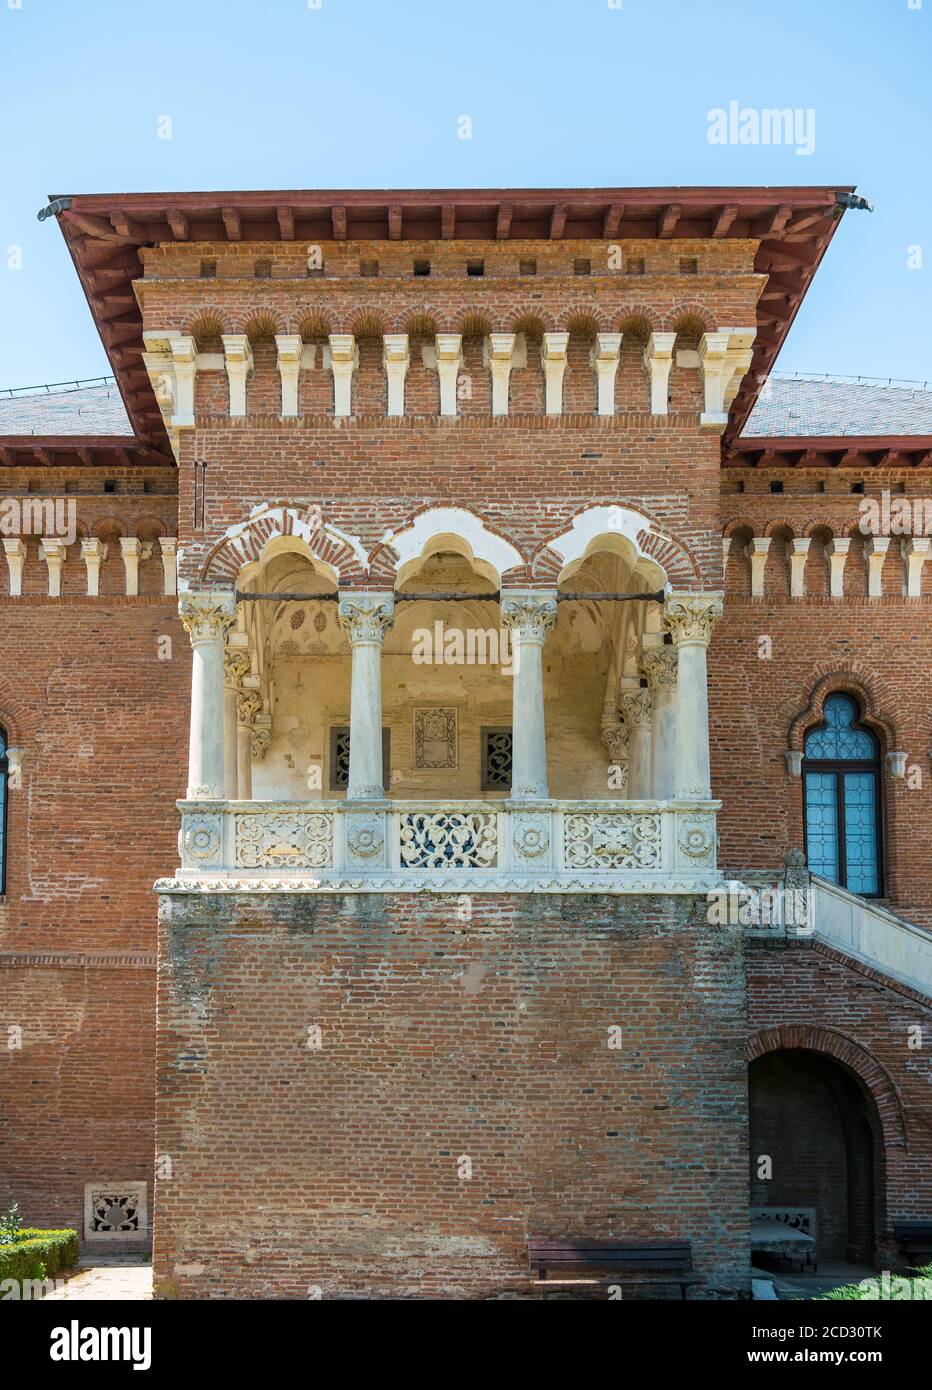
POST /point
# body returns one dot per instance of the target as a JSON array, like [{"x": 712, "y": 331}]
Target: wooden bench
[
  {"x": 641, "y": 1262},
  {"x": 914, "y": 1238}
]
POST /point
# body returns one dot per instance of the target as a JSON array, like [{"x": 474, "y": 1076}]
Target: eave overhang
[
  {"x": 837, "y": 450},
  {"x": 105, "y": 233}
]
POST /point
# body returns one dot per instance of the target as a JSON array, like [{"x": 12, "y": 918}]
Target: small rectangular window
[
  {"x": 208, "y": 270},
  {"x": 369, "y": 269},
  {"x": 776, "y": 487},
  {"x": 582, "y": 266},
  {"x": 527, "y": 267},
  {"x": 496, "y": 759},
  {"x": 262, "y": 270},
  {"x": 857, "y": 487},
  {"x": 475, "y": 268},
  {"x": 422, "y": 267},
  {"x": 109, "y": 485},
  {"x": 634, "y": 265},
  {"x": 689, "y": 265},
  {"x": 339, "y": 757}
]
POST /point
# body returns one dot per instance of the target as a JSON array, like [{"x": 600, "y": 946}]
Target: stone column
[
  {"x": 235, "y": 666},
  {"x": 93, "y": 552},
  {"x": 501, "y": 355},
  {"x": 799, "y": 552},
  {"x": 343, "y": 360},
  {"x": 915, "y": 551},
  {"x": 605, "y": 360},
  {"x": 637, "y": 708},
  {"x": 248, "y": 705},
  {"x": 15, "y": 551},
  {"x": 875, "y": 552},
  {"x": 837, "y": 553},
  {"x": 529, "y": 615},
  {"x": 130, "y": 547},
  {"x": 757, "y": 554},
  {"x": 659, "y": 666},
  {"x": 553, "y": 360},
  {"x": 396, "y": 358},
  {"x": 689, "y": 618},
  {"x": 169, "y": 548},
  {"x": 237, "y": 356},
  {"x": 448, "y": 351},
  {"x": 289, "y": 348},
  {"x": 206, "y": 618},
  {"x": 366, "y": 617},
  {"x": 658, "y": 359},
  {"x": 53, "y": 553}
]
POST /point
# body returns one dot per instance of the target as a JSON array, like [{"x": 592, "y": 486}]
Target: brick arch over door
[{"x": 811, "y": 1038}]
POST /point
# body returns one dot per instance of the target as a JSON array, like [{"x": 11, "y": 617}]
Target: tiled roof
[
  {"x": 63, "y": 410},
  {"x": 815, "y": 407},
  {"x": 786, "y": 407}
]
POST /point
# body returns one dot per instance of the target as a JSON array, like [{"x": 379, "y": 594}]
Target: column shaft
[
  {"x": 529, "y": 615},
  {"x": 366, "y": 617},
  {"x": 206, "y": 618}
]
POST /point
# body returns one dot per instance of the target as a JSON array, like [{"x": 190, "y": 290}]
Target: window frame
[{"x": 839, "y": 766}]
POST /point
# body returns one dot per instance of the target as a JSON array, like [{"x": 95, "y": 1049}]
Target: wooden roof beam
[
  {"x": 669, "y": 218},
  {"x": 177, "y": 220},
  {"x": 338, "y": 221},
  {"x": 231, "y": 220},
  {"x": 285, "y": 223},
  {"x": 557, "y": 221},
  {"x": 503, "y": 221},
  {"x": 611, "y": 222}
]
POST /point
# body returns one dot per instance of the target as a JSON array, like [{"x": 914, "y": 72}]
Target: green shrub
[
  {"x": 872, "y": 1288},
  {"x": 10, "y": 1224},
  {"x": 37, "y": 1254}
]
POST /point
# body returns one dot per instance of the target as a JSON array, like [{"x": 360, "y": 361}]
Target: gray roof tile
[
  {"x": 800, "y": 407},
  {"x": 86, "y": 410}
]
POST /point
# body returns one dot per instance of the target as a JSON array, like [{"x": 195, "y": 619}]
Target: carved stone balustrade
[{"x": 467, "y": 846}]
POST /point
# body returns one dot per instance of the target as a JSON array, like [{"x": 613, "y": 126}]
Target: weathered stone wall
[{"x": 449, "y": 1027}]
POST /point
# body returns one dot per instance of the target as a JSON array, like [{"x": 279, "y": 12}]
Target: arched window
[
  {"x": 841, "y": 800},
  {"x": 4, "y": 768}
]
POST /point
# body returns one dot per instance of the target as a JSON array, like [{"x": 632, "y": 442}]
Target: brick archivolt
[{"x": 652, "y": 556}]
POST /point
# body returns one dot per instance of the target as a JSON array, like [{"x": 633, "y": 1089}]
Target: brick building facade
[{"x": 518, "y": 595}]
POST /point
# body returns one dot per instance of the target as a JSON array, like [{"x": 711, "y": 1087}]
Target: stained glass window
[{"x": 841, "y": 791}]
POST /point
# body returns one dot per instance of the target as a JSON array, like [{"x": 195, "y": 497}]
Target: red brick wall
[
  {"x": 101, "y": 721},
  {"x": 808, "y": 997},
  {"x": 440, "y": 1038}
]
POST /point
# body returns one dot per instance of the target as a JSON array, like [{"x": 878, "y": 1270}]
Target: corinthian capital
[
  {"x": 691, "y": 617},
  {"x": 529, "y": 614},
  {"x": 207, "y": 616},
  {"x": 235, "y": 665},
  {"x": 638, "y": 707},
  {"x": 366, "y": 617},
  {"x": 659, "y": 666}
]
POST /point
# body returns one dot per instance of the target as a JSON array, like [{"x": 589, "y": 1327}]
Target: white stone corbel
[
  {"x": 914, "y": 550},
  {"x": 15, "y": 551},
  {"x": 553, "y": 360},
  {"x": 130, "y": 547},
  {"x": 605, "y": 355},
  {"x": 501, "y": 347},
  {"x": 837, "y": 553},
  {"x": 713, "y": 365},
  {"x": 237, "y": 358},
  {"x": 53, "y": 552},
  {"x": 794, "y": 762},
  {"x": 658, "y": 359},
  {"x": 799, "y": 550},
  {"x": 875, "y": 552},
  {"x": 14, "y": 768},
  {"x": 449, "y": 355},
  {"x": 396, "y": 358},
  {"x": 289, "y": 347},
  {"x": 757, "y": 554},
  {"x": 344, "y": 358},
  {"x": 169, "y": 548},
  {"x": 171, "y": 362},
  {"x": 896, "y": 764},
  {"x": 93, "y": 553}
]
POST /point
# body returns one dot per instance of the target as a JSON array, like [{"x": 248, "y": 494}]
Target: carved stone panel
[
  {"x": 274, "y": 841},
  {"x": 530, "y": 844},
  {"x": 449, "y": 840},
  {"x": 365, "y": 840},
  {"x": 115, "y": 1211},
  {"x": 201, "y": 842},
  {"x": 435, "y": 737},
  {"x": 612, "y": 840}
]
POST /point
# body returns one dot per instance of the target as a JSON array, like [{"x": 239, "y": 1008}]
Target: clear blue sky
[{"x": 367, "y": 93}]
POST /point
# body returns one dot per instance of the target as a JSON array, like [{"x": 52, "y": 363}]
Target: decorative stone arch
[
  {"x": 660, "y": 558},
  {"x": 809, "y": 1037},
  {"x": 490, "y": 553},
  {"x": 846, "y": 678},
  {"x": 693, "y": 319},
  {"x": 246, "y": 543}
]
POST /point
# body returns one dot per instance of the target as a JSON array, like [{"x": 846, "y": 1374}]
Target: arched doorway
[{"x": 819, "y": 1126}]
